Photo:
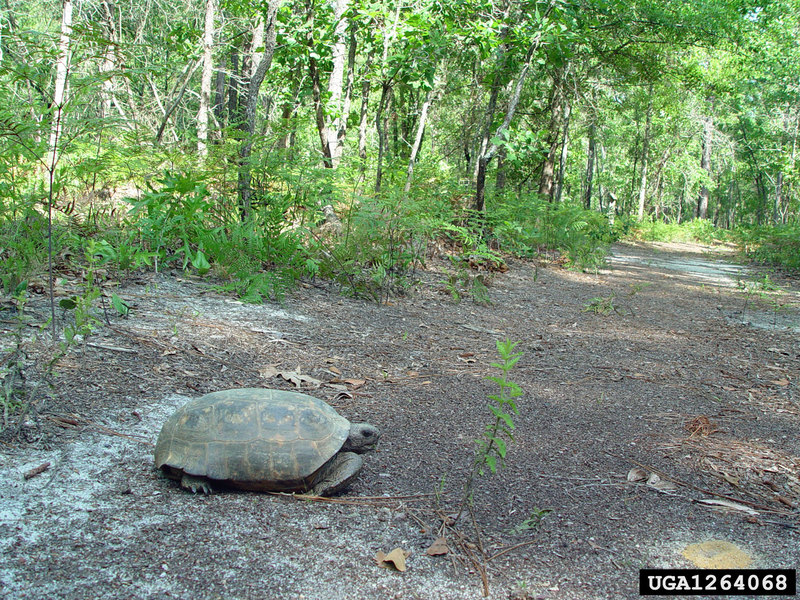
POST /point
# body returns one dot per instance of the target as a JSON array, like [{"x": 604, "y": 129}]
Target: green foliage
[
  {"x": 601, "y": 305},
  {"x": 492, "y": 447},
  {"x": 527, "y": 226},
  {"x": 122, "y": 308},
  {"x": 170, "y": 219},
  {"x": 656, "y": 230},
  {"x": 533, "y": 522},
  {"x": 23, "y": 248},
  {"x": 779, "y": 246},
  {"x": 382, "y": 245},
  {"x": 259, "y": 258}
]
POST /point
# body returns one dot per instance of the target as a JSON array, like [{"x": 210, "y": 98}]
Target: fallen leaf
[
  {"x": 356, "y": 383},
  {"x": 337, "y": 387},
  {"x": 396, "y": 559},
  {"x": 728, "y": 504},
  {"x": 731, "y": 479},
  {"x": 785, "y": 500},
  {"x": 334, "y": 370},
  {"x": 438, "y": 548},
  {"x": 781, "y": 382},
  {"x": 662, "y": 485},
  {"x": 637, "y": 474},
  {"x": 298, "y": 379}
]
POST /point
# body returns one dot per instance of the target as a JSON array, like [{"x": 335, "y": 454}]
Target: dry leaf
[
  {"x": 268, "y": 372},
  {"x": 334, "y": 370},
  {"x": 337, "y": 387},
  {"x": 356, "y": 383},
  {"x": 731, "y": 479},
  {"x": 298, "y": 379},
  {"x": 438, "y": 548},
  {"x": 662, "y": 485},
  {"x": 781, "y": 382},
  {"x": 637, "y": 474},
  {"x": 395, "y": 559}
]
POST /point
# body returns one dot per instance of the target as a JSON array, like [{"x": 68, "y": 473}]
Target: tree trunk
[
  {"x": 59, "y": 93},
  {"x": 587, "y": 191},
  {"x": 59, "y": 98},
  {"x": 417, "y": 140},
  {"x": 108, "y": 66},
  {"x": 187, "y": 76},
  {"x": 288, "y": 112},
  {"x": 319, "y": 113},
  {"x": 233, "y": 88},
  {"x": 363, "y": 121},
  {"x": 645, "y": 151},
  {"x": 486, "y": 154},
  {"x": 501, "y": 172},
  {"x": 248, "y": 123},
  {"x": 381, "y": 127},
  {"x": 205, "y": 80},
  {"x": 335, "y": 104},
  {"x": 219, "y": 93},
  {"x": 705, "y": 165},
  {"x": 562, "y": 161},
  {"x": 557, "y": 111}
]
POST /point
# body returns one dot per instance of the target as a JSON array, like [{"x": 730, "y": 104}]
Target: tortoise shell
[{"x": 256, "y": 439}]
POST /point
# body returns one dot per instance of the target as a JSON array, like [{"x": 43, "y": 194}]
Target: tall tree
[
  {"x": 253, "y": 85},
  {"x": 205, "y": 81}
]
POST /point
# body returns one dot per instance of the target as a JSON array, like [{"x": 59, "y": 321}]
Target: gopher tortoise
[{"x": 262, "y": 440}]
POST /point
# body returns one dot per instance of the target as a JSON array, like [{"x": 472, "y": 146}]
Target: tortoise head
[{"x": 363, "y": 438}]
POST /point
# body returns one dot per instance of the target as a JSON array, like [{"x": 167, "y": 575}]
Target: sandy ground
[{"x": 689, "y": 375}]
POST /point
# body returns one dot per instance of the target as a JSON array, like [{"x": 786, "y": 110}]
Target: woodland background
[{"x": 264, "y": 142}]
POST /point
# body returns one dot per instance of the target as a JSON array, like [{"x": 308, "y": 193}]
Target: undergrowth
[
  {"x": 656, "y": 230},
  {"x": 778, "y": 246}
]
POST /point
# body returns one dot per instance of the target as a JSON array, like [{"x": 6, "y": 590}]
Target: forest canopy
[{"x": 266, "y": 141}]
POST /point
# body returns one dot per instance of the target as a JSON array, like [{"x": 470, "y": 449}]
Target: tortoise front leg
[
  {"x": 337, "y": 474},
  {"x": 195, "y": 484}
]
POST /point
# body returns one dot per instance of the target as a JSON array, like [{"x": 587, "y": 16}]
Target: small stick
[{"x": 36, "y": 471}]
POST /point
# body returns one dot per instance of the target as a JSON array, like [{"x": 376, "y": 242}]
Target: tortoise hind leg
[{"x": 337, "y": 474}]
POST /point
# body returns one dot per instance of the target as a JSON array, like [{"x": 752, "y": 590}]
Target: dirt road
[{"x": 680, "y": 373}]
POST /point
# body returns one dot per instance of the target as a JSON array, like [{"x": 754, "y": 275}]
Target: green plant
[
  {"x": 171, "y": 219},
  {"x": 379, "y": 251},
  {"x": 492, "y": 447},
  {"x": 532, "y": 522},
  {"x": 601, "y": 306},
  {"x": 84, "y": 321},
  {"x": 527, "y": 225},
  {"x": 778, "y": 245},
  {"x": 638, "y": 287},
  {"x": 761, "y": 288},
  {"x": 122, "y": 308},
  {"x": 464, "y": 282}
]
